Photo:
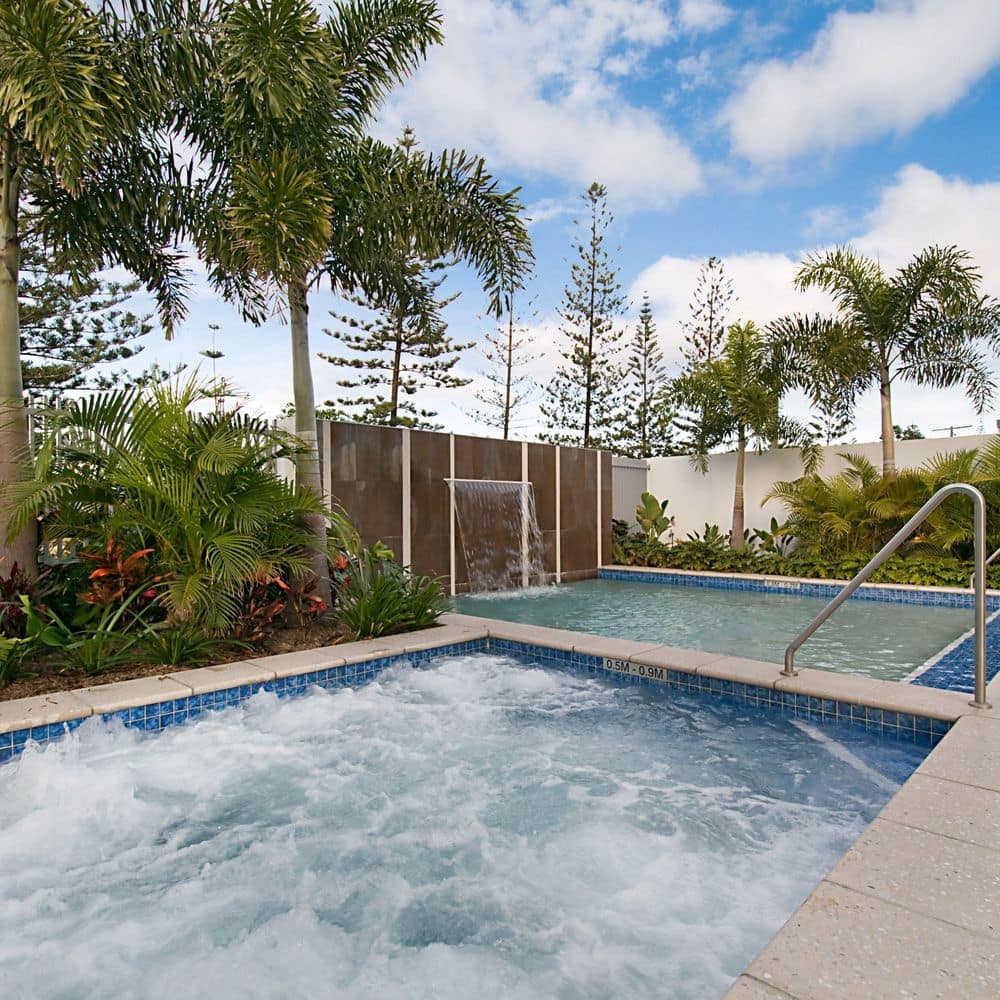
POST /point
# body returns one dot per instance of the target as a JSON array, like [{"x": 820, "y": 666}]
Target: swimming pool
[
  {"x": 870, "y": 638},
  {"x": 481, "y": 827}
]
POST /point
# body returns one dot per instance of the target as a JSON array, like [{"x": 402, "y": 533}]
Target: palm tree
[
  {"x": 85, "y": 109},
  {"x": 300, "y": 193},
  {"x": 927, "y": 324},
  {"x": 735, "y": 399}
]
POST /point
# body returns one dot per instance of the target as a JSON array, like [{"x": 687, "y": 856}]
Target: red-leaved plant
[{"x": 118, "y": 575}]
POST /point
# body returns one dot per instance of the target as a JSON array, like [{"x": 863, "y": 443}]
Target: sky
[{"x": 755, "y": 131}]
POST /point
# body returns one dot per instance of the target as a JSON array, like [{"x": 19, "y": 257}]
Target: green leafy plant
[
  {"x": 12, "y": 653},
  {"x": 858, "y": 509},
  {"x": 774, "y": 540},
  {"x": 13, "y": 586},
  {"x": 712, "y": 538},
  {"x": 182, "y": 646},
  {"x": 44, "y": 627},
  {"x": 146, "y": 468},
  {"x": 651, "y": 516},
  {"x": 377, "y": 597}
]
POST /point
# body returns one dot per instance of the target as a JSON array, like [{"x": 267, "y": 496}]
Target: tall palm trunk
[
  {"x": 13, "y": 419},
  {"x": 307, "y": 472},
  {"x": 736, "y": 539},
  {"x": 888, "y": 434}
]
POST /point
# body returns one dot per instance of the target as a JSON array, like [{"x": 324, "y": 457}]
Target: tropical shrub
[
  {"x": 651, "y": 516},
  {"x": 144, "y": 469},
  {"x": 859, "y": 510},
  {"x": 377, "y": 597},
  {"x": 917, "y": 568}
]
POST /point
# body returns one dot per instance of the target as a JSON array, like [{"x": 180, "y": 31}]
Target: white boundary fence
[{"x": 628, "y": 483}]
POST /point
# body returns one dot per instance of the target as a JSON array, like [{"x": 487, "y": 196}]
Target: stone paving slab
[
  {"x": 938, "y": 876},
  {"x": 970, "y": 754},
  {"x": 845, "y": 945},
  {"x": 949, "y": 809}
]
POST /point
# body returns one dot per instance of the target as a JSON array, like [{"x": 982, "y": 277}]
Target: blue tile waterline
[
  {"x": 884, "y": 593},
  {"x": 159, "y": 715}
]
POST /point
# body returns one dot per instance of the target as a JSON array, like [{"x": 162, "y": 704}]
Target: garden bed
[{"x": 49, "y": 674}]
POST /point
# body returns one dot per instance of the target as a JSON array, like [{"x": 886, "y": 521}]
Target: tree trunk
[
  {"x": 888, "y": 435},
  {"x": 307, "y": 464},
  {"x": 736, "y": 539},
  {"x": 589, "y": 390},
  {"x": 397, "y": 361},
  {"x": 510, "y": 365},
  {"x": 23, "y": 548}
]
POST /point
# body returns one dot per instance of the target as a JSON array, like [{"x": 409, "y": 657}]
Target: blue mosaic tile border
[
  {"x": 160, "y": 715},
  {"x": 889, "y": 725},
  {"x": 867, "y": 592},
  {"x": 954, "y": 668},
  {"x": 152, "y": 718}
]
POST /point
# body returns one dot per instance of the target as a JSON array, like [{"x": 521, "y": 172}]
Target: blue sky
[{"x": 755, "y": 131}]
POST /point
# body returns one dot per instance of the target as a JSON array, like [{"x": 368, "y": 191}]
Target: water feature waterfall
[{"x": 499, "y": 532}]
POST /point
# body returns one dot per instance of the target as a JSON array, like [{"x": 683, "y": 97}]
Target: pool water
[
  {"x": 483, "y": 827},
  {"x": 880, "y": 640}
]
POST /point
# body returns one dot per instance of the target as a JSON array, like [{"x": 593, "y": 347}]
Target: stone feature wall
[{"x": 392, "y": 483}]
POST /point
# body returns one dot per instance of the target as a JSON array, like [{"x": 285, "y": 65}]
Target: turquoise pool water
[
  {"x": 864, "y": 637},
  {"x": 483, "y": 828}
]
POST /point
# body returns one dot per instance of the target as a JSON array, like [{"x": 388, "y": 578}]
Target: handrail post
[
  {"x": 882, "y": 556},
  {"x": 979, "y": 540}
]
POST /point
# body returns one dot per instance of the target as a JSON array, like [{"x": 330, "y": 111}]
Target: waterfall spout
[{"x": 499, "y": 531}]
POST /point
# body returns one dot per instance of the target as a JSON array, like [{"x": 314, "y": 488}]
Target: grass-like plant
[
  {"x": 182, "y": 646},
  {"x": 376, "y": 597}
]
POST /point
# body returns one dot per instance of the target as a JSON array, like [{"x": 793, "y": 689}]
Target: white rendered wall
[{"x": 696, "y": 499}]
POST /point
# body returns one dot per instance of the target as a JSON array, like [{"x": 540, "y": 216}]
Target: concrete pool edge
[{"x": 180, "y": 694}]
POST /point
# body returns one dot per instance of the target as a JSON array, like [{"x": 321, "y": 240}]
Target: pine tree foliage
[
  {"x": 705, "y": 331},
  {"x": 72, "y": 325},
  {"x": 404, "y": 350},
  {"x": 647, "y": 416},
  {"x": 507, "y": 350},
  {"x": 583, "y": 400}
]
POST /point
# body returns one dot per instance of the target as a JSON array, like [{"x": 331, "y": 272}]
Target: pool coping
[
  {"x": 891, "y": 910},
  {"x": 886, "y": 705}
]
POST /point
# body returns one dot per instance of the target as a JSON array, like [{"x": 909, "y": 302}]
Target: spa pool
[{"x": 480, "y": 827}]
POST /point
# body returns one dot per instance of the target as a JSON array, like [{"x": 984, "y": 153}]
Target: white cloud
[
  {"x": 522, "y": 84},
  {"x": 922, "y": 207},
  {"x": 762, "y": 283},
  {"x": 919, "y": 208},
  {"x": 703, "y": 15},
  {"x": 867, "y": 74},
  {"x": 696, "y": 70}
]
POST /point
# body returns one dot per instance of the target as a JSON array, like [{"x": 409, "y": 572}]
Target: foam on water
[{"x": 479, "y": 828}]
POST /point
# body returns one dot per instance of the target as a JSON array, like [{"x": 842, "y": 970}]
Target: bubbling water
[{"x": 483, "y": 827}]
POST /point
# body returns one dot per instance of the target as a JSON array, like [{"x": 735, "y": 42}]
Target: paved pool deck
[{"x": 911, "y": 910}]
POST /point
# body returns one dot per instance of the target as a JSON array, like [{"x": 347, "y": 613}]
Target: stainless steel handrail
[
  {"x": 989, "y": 560},
  {"x": 979, "y": 581}
]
